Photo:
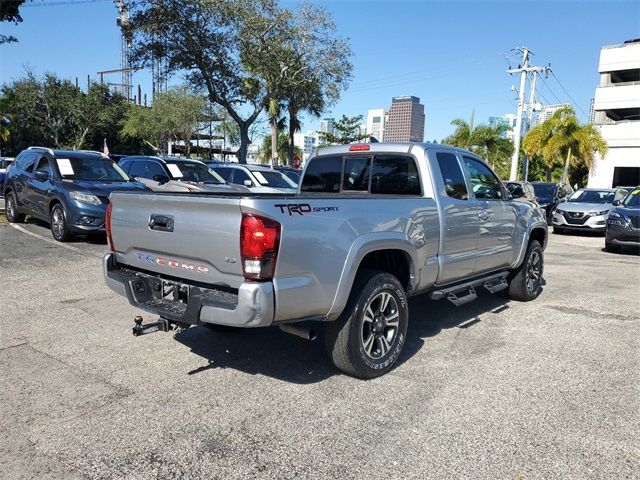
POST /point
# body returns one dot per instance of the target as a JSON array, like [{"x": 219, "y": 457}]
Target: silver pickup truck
[{"x": 370, "y": 225}]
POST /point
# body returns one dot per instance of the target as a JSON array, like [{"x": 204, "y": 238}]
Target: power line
[
  {"x": 60, "y": 2},
  {"x": 568, "y": 94},
  {"x": 551, "y": 91}
]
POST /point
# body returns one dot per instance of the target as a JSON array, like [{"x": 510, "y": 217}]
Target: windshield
[
  {"x": 544, "y": 190},
  {"x": 96, "y": 169},
  {"x": 273, "y": 178},
  {"x": 592, "y": 196},
  {"x": 194, "y": 172},
  {"x": 633, "y": 199}
]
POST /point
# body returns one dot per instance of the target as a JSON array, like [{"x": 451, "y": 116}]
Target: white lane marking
[{"x": 59, "y": 244}]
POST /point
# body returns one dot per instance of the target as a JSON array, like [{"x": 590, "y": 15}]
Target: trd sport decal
[{"x": 302, "y": 208}]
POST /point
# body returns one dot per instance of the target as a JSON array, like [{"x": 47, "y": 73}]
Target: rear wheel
[
  {"x": 59, "y": 225},
  {"x": 525, "y": 283},
  {"x": 12, "y": 209},
  {"x": 611, "y": 247},
  {"x": 368, "y": 338}
]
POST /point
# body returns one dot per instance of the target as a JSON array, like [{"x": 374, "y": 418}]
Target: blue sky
[{"x": 451, "y": 54}]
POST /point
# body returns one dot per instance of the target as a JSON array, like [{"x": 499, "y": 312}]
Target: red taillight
[
  {"x": 107, "y": 226},
  {"x": 359, "y": 148},
  {"x": 259, "y": 243}
]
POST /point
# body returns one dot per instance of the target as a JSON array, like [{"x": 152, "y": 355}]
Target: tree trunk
[
  {"x": 244, "y": 141},
  {"x": 290, "y": 144},
  {"x": 549, "y": 174},
  {"x": 274, "y": 141},
  {"x": 565, "y": 174}
]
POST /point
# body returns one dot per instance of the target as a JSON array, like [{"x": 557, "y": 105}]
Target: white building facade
[
  {"x": 616, "y": 113},
  {"x": 545, "y": 112},
  {"x": 376, "y": 120},
  {"x": 307, "y": 142}
]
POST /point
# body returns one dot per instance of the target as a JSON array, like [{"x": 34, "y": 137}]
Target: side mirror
[
  {"x": 161, "y": 179},
  {"x": 248, "y": 183},
  {"x": 42, "y": 176},
  {"x": 616, "y": 203}
]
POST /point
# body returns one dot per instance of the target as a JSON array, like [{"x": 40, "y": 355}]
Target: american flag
[{"x": 105, "y": 148}]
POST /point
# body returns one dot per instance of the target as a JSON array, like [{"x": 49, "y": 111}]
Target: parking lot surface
[{"x": 493, "y": 389}]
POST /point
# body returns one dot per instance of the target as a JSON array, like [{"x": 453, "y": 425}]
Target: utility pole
[{"x": 524, "y": 69}]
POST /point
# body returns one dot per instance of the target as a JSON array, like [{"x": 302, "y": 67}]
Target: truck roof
[{"x": 390, "y": 147}]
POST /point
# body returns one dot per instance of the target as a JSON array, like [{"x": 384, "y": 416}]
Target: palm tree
[
  {"x": 265, "y": 154},
  {"x": 484, "y": 140},
  {"x": 563, "y": 138}
]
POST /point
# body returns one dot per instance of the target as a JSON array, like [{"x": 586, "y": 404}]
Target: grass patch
[{"x": 3, "y": 218}]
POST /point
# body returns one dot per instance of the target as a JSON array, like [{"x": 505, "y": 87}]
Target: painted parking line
[{"x": 49, "y": 240}]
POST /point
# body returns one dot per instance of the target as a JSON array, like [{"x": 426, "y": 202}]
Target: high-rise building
[
  {"x": 616, "y": 112},
  {"x": 376, "y": 120},
  {"x": 306, "y": 142},
  {"x": 507, "y": 120},
  {"x": 326, "y": 125},
  {"x": 405, "y": 122},
  {"x": 547, "y": 111}
]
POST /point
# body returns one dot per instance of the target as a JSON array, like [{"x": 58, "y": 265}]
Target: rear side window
[
  {"x": 322, "y": 175},
  {"x": 138, "y": 169},
  {"x": 25, "y": 161},
  {"x": 224, "y": 172},
  {"x": 154, "y": 169},
  {"x": 454, "y": 185},
  {"x": 395, "y": 175}
]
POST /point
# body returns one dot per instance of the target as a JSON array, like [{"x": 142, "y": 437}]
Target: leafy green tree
[
  {"x": 174, "y": 115},
  {"x": 10, "y": 12},
  {"x": 485, "y": 141},
  {"x": 265, "y": 153},
  {"x": 346, "y": 130},
  {"x": 208, "y": 41},
  {"x": 563, "y": 141}
]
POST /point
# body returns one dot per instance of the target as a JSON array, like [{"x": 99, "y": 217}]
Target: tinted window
[
  {"x": 224, "y": 172},
  {"x": 452, "y": 176},
  {"x": 484, "y": 183},
  {"x": 25, "y": 161},
  {"x": 138, "y": 169},
  {"x": 153, "y": 169},
  {"x": 395, "y": 175},
  {"x": 322, "y": 175},
  {"x": 193, "y": 172},
  {"x": 593, "y": 196},
  {"x": 544, "y": 190},
  {"x": 44, "y": 166},
  {"x": 356, "y": 174},
  {"x": 239, "y": 176}
]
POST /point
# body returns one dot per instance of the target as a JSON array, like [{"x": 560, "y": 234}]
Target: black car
[
  {"x": 293, "y": 173},
  {"x": 69, "y": 189},
  {"x": 549, "y": 195},
  {"x": 623, "y": 223}
]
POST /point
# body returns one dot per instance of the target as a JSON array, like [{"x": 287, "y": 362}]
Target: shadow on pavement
[
  {"x": 273, "y": 353},
  {"x": 97, "y": 238}
]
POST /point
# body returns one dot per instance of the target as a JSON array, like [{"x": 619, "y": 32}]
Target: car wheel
[
  {"x": 367, "y": 339},
  {"x": 59, "y": 225},
  {"x": 558, "y": 230},
  {"x": 525, "y": 282},
  {"x": 12, "y": 209},
  {"x": 611, "y": 247}
]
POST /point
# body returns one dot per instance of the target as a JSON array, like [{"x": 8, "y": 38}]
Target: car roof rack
[
  {"x": 93, "y": 151},
  {"x": 46, "y": 149}
]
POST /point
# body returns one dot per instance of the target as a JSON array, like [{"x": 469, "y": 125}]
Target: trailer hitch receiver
[{"x": 162, "y": 325}]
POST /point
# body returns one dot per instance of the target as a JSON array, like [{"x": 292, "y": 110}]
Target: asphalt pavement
[{"x": 493, "y": 389}]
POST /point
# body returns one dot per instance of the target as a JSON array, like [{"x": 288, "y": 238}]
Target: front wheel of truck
[
  {"x": 367, "y": 339},
  {"x": 525, "y": 283}
]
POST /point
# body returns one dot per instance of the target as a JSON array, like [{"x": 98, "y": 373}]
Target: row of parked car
[
  {"x": 612, "y": 211},
  {"x": 70, "y": 190}
]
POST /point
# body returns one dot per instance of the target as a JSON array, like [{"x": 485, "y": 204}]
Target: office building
[
  {"x": 547, "y": 111},
  {"x": 616, "y": 113},
  {"x": 507, "y": 120},
  {"x": 376, "y": 120},
  {"x": 307, "y": 142},
  {"x": 405, "y": 121},
  {"x": 326, "y": 125}
]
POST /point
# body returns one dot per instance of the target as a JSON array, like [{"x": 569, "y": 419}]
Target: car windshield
[
  {"x": 194, "y": 172},
  {"x": 96, "y": 169},
  {"x": 544, "y": 190},
  {"x": 633, "y": 199},
  {"x": 592, "y": 196},
  {"x": 273, "y": 178}
]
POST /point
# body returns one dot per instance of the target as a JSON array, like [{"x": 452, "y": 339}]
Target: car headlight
[
  {"x": 615, "y": 215},
  {"x": 85, "y": 198},
  {"x": 559, "y": 211},
  {"x": 601, "y": 212}
]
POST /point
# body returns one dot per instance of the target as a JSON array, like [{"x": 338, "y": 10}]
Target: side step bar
[{"x": 466, "y": 292}]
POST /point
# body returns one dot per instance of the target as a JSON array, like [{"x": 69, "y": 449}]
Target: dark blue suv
[{"x": 69, "y": 189}]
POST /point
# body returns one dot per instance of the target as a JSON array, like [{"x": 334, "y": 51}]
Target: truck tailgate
[{"x": 194, "y": 237}]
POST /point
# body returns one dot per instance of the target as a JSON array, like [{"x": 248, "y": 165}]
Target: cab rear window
[{"x": 386, "y": 174}]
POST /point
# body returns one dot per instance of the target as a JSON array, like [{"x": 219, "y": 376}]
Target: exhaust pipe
[{"x": 302, "y": 332}]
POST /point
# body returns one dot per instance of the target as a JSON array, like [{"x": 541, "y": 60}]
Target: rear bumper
[{"x": 252, "y": 306}]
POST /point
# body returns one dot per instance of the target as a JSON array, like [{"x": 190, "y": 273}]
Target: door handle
[
  {"x": 163, "y": 223},
  {"x": 483, "y": 215}
]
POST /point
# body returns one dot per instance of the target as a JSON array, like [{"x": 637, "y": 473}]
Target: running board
[{"x": 493, "y": 283}]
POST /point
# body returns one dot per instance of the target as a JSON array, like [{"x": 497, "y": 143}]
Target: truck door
[
  {"x": 459, "y": 224},
  {"x": 496, "y": 215}
]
